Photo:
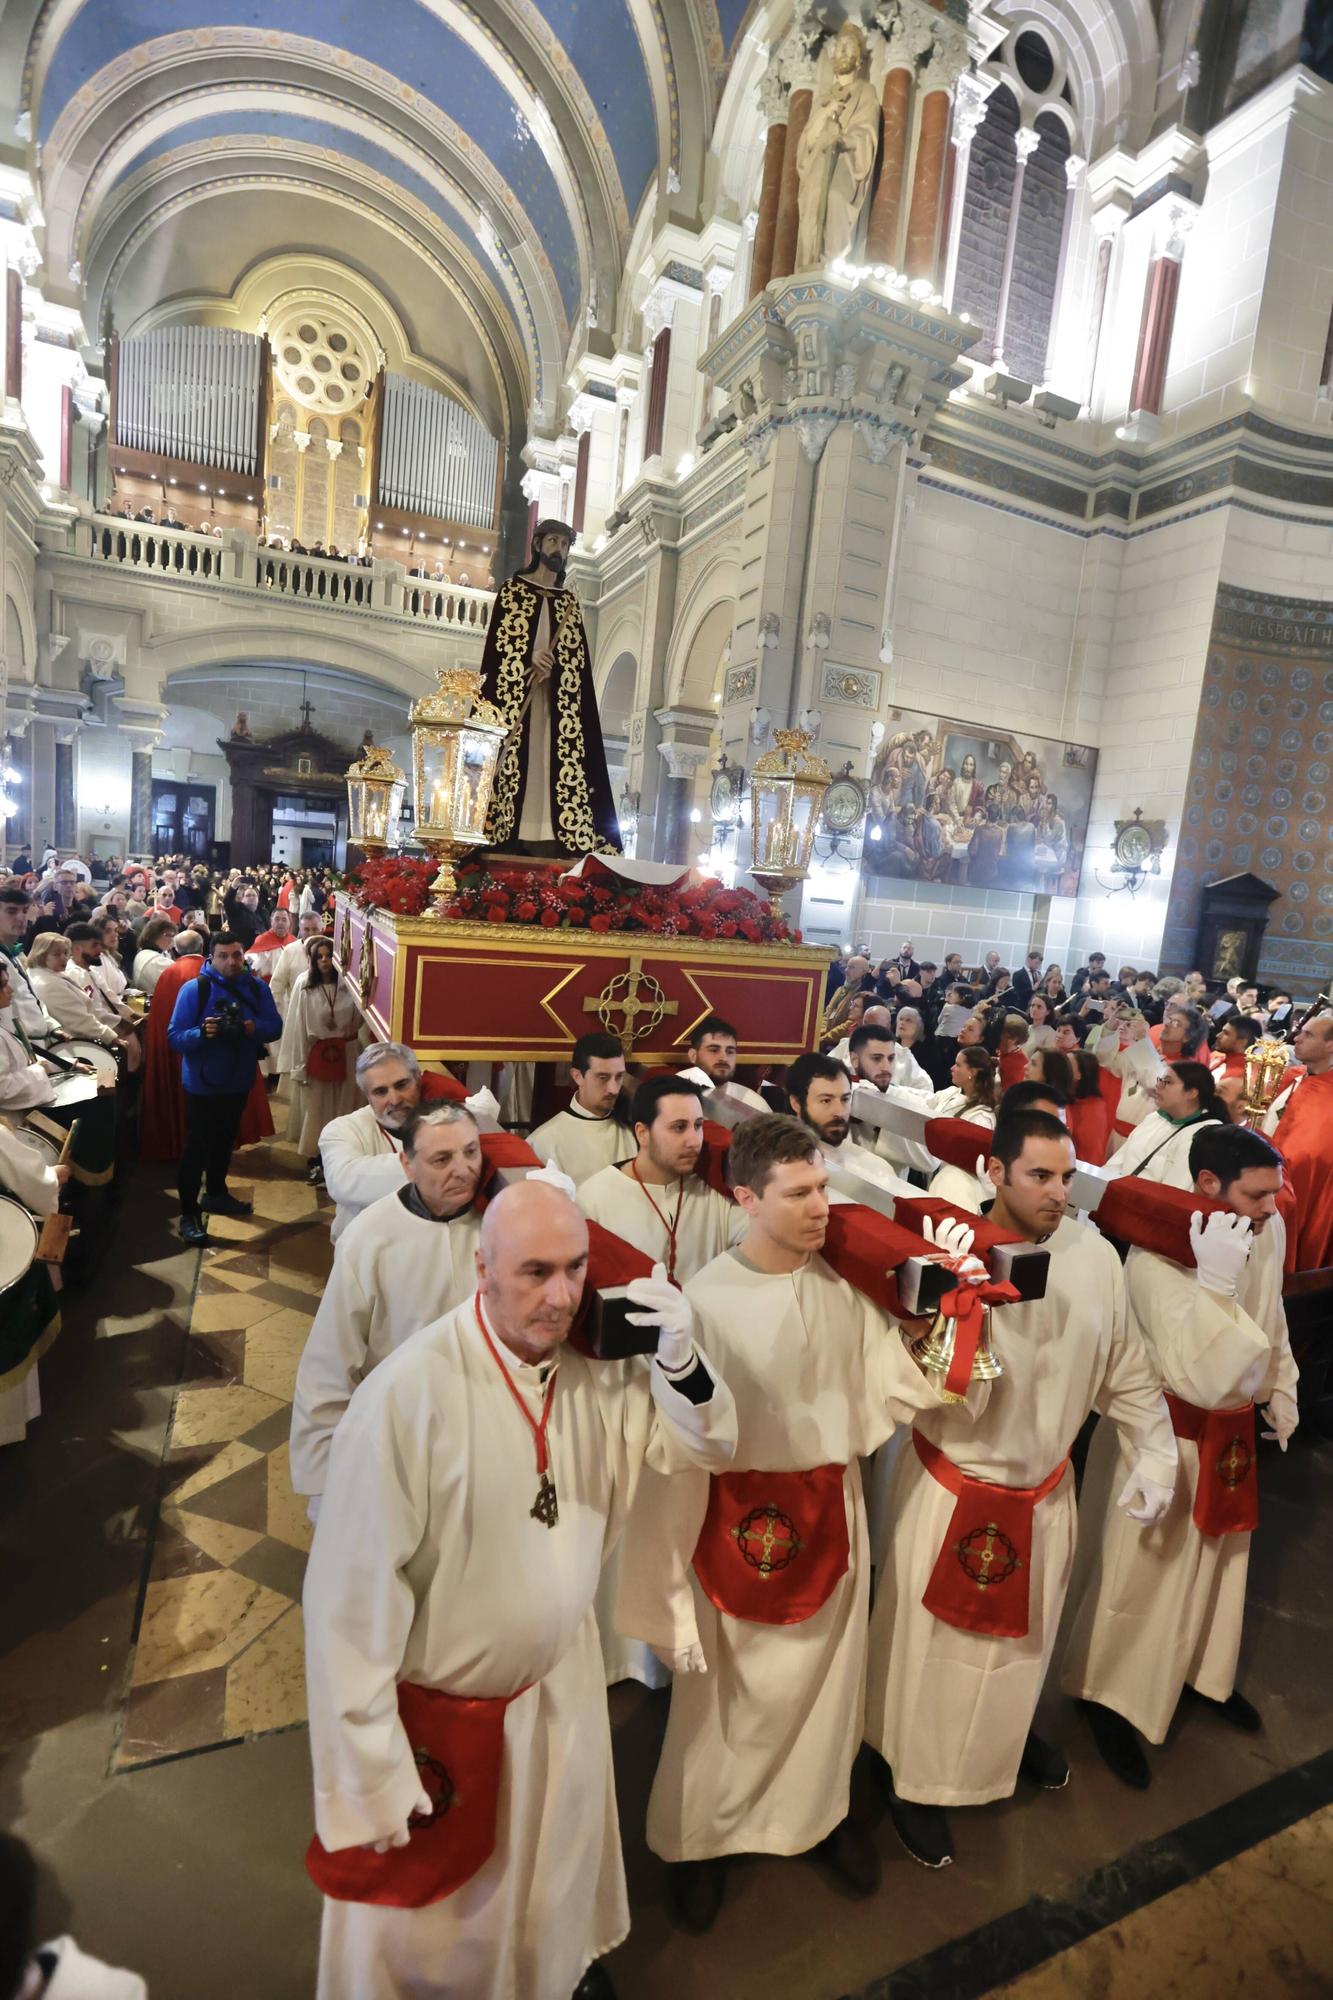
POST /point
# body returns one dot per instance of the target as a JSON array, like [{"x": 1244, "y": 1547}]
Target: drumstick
[{"x": 55, "y": 1232}]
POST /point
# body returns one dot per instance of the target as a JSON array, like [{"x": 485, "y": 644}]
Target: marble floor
[{"x": 151, "y": 1706}]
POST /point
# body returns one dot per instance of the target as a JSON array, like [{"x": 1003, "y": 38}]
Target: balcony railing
[{"x": 236, "y": 561}]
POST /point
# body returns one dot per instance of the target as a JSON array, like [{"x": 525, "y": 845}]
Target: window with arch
[{"x": 1015, "y": 204}]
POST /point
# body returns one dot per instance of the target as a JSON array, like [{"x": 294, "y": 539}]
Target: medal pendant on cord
[{"x": 546, "y": 1507}]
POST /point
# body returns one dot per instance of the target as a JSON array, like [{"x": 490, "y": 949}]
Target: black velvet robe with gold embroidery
[{"x": 583, "y": 812}]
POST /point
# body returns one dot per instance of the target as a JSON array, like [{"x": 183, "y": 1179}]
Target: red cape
[
  {"x": 162, "y": 1106},
  {"x": 270, "y": 941},
  {"x": 1304, "y": 1137}
]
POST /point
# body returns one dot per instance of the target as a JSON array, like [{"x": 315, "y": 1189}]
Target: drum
[
  {"x": 73, "y": 1088},
  {"x": 18, "y": 1242},
  {"x": 38, "y": 1142}
]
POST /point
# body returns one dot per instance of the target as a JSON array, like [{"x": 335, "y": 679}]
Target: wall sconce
[{"x": 1137, "y": 848}]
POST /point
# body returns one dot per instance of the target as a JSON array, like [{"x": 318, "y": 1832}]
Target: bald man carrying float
[{"x": 468, "y": 1837}]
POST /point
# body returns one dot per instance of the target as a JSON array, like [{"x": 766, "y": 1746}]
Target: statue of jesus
[
  {"x": 552, "y": 794},
  {"x": 836, "y": 156}
]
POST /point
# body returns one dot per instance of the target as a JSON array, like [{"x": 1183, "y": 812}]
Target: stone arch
[
  {"x": 625, "y": 636},
  {"x": 615, "y": 701},
  {"x": 250, "y": 646},
  {"x": 704, "y": 626}
]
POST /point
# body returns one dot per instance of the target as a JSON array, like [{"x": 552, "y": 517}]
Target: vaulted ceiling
[{"x": 477, "y": 163}]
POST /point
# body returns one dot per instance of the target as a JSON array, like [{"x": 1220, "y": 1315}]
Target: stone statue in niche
[
  {"x": 836, "y": 155},
  {"x": 241, "y": 726}
]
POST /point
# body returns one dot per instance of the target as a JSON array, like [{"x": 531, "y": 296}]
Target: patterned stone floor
[{"x": 218, "y": 1651}]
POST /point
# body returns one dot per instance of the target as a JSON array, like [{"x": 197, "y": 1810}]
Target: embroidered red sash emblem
[
  {"x": 773, "y": 1544},
  {"x": 458, "y": 1745},
  {"x": 981, "y": 1575},
  {"x": 1226, "y": 1498}
]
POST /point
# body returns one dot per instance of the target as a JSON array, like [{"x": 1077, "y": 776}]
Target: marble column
[
  {"x": 773, "y": 104},
  {"x": 971, "y": 94},
  {"x": 800, "y": 74},
  {"x": 923, "y": 220},
  {"x": 683, "y": 747},
  {"x": 1159, "y": 308},
  {"x": 886, "y": 210},
  {"x": 67, "y": 822},
  {"x": 1026, "y": 143},
  {"x": 141, "y": 802}
]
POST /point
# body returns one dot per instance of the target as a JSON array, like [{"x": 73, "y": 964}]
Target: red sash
[
  {"x": 458, "y": 1744},
  {"x": 1226, "y": 1497},
  {"x": 773, "y": 1544},
  {"x": 326, "y": 1060},
  {"x": 980, "y": 1579}
]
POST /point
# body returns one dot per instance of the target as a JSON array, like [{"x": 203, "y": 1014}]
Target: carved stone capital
[
  {"x": 773, "y": 89},
  {"x": 971, "y": 96},
  {"x": 657, "y": 311},
  {"x": 579, "y": 416},
  {"x": 1026, "y": 142},
  {"x": 1172, "y": 223}
]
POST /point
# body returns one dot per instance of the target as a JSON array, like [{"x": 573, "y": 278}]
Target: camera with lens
[{"x": 230, "y": 1017}]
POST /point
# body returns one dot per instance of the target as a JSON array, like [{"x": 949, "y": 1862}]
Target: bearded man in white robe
[
  {"x": 969, "y": 1602},
  {"x": 1159, "y": 1612},
  {"x": 765, "y": 1570},
  {"x": 403, "y": 1262},
  {"x": 713, "y": 1050},
  {"x": 467, "y": 1832},
  {"x": 361, "y": 1152},
  {"x": 587, "y": 1135}
]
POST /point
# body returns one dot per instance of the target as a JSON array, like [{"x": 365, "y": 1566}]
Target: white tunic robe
[
  {"x": 362, "y": 1162},
  {"x": 395, "y": 1272},
  {"x": 758, "y": 1751},
  {"x": 1157, "y": 1150},
  {"x": 581, "y": 1145},
  {"x": 1156, "y": 1608},
  {"x": 25, "y": 1174},
  {"x": 950, "y": 1710},
  {"x": 428, "y": 1566},
  {"x": 708, "y": 1223},
  {"x": 314, "y": 1013}
]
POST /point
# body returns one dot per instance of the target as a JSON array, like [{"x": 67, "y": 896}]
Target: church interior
[{"x": 944, "y": 387}]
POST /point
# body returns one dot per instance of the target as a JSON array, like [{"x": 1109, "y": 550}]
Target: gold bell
[{"x": 934, "y": 1352}]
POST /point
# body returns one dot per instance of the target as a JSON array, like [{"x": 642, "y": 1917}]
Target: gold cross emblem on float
[{"x": 621, "y": 995}]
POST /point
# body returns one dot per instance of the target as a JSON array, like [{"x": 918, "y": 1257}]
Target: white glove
[
  {"x": 1282, "y": 1413},
  {"x": 404, "y": 1832},
  {"x": 1152, "y": 1496},
  {"x": 483, "y": 1104},
  {"x": 668, "y": 1308},
  {"x": 689, "y": 1660},
  {"x": 697, "y": 1075},
  {"x": 955, "y": 1240},
  {"x": 1221, "y": 1245},
  {"x": 553, "y": 1177}
]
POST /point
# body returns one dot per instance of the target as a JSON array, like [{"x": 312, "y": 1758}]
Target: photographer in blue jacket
[{"x": 219, "y": 1026}]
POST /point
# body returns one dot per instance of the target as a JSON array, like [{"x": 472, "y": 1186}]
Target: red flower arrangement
[{"x": 699, "y": 909}]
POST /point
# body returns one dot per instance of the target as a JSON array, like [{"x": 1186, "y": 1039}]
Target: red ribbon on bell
[{"x": 967, "y": 1306}]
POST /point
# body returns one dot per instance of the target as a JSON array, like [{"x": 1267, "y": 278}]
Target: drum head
[
  {"x": 104, "y": 1064},
  {"x": 38, "y": 1142},
  {"x": 18, "y": 1241},
  {"x": 72, "y": 1090}
]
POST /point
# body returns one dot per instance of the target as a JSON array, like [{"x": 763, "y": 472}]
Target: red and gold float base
[{"x": 460, "y": 992}]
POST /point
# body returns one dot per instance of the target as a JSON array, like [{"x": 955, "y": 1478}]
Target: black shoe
[
  {"x": 194, "y": 1231},
  {"x": 1241, "y": 1714},
  {"x": 1118, "y": 1742},
  {"x": 923, "y": 1830},
  {"x": 1042, "y": 1765},
  {"x": 594, "y": 1985},
  {"x": 697, "y": 1888},
  {"x": 850, "y": 1853},
  {"x": 226, "y": 1204}
]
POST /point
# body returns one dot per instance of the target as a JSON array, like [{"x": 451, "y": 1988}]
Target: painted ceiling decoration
[{"x": 509, "y": 145}]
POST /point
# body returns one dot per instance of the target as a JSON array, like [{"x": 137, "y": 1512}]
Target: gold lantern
[
  {"x": 934, "y": 1352},
  {"x": 1266, "y": 1063},
  {"x": 375, "y": 788},
  {"x": 787, "y": 788},
  {"x": 456, "y": 743}
]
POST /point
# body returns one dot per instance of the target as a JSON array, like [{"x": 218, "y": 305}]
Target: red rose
[
  {"x": 727, "y": 930},
  {"x": 525, "y": 911},
  {"x": 599, "y": 923},
  {"x": 751, "y": 931},
  {"x": 571, "y": 892},
  {"x": 576, "y": 916},
  {"x": 550, "y": 917},
  {"x": 495, "y": 916}
]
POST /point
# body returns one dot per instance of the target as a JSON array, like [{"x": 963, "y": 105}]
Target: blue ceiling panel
[
  {"x": 731, "y": 13},
  {"x": 400, "y": 35},
  {"x": 601, "y": 42}
]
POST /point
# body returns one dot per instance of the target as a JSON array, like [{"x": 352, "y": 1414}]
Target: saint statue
[
  {"x": 552, "y": 794},
  {"x": 836, "y": 155}
]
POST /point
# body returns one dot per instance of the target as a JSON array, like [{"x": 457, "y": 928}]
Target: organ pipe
[
  {"x": 191, "y": 392},
  {"x": 435, "y": 458}
]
